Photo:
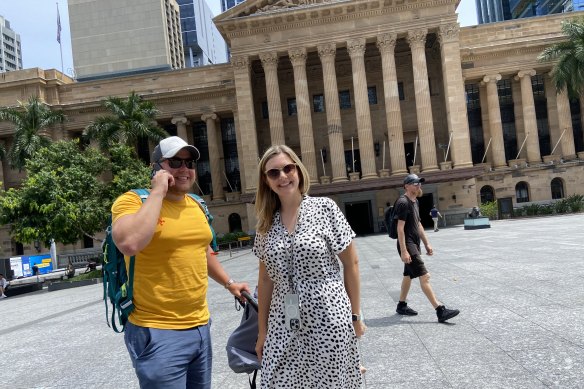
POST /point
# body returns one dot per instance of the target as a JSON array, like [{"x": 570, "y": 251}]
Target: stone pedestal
[
  {"x": 354, "y": 176},
  {"x": 414, "y": 169},
  {"x": 485, "y": 165},
  {"x": 383, "y": 172},
  {"x": 551, "y": 159},
  {"x": 232, "y": 196},
  {"x": 580, "y": 154},
  {"x": 517, "y": 163},
  {"x": 325, "y": 180},
  {"x": 446, "y": 165}
]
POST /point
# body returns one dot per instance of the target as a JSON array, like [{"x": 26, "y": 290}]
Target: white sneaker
[{"x": 3, "y": 296}]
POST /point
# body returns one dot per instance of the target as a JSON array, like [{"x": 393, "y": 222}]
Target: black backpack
[{"x": 391, "y": 221}]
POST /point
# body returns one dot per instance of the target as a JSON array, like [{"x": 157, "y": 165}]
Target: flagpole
[{"x": 59, "y": 37}]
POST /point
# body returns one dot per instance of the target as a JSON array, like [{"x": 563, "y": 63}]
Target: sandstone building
[{"x": 364, "y": 91}]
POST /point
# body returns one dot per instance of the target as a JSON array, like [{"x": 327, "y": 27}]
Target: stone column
[
  {"x": 456, "y": 116},
  {"x": 529, "y": 118},
  {"x": 214, "y": 155},
  {"x": 496, "y": 127},
  {"x": 356, "y": 49},
  {"x": 485, "y": 123},
  {"x": 386, "y": 45},
  {"x": 327, "y": 53},
  {"x": 181, "y": 127},
  {"x": 552, "y": 110},
  {"x": 306, "y": 135},
  {"x": 248, "y": 162},
  {"x": 565, "y": 124},
  {"x": 270, "y": 64},
  {"x": 417, "y": 41}
]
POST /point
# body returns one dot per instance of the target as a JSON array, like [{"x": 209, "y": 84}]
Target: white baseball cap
[{"x": 169, "y": 147}]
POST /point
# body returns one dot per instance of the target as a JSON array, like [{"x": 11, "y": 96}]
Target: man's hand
[
  {"x": 161, "y": 181},
  {"x": 429, "y": 249},
  {"x": 405, "y": 256},
  {"x": 237, "y": 287}
]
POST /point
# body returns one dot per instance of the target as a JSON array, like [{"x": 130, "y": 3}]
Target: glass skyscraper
[
  {"x": 226, "y": 4},
  {"x": 489, "y": 11},
  {"x": 202, "y": 42}
]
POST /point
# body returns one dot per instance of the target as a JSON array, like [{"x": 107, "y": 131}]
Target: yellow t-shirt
[{"x": 170, "y": 274}]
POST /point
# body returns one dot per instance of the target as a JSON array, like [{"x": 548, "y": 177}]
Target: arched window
[
  {"x": 234, "y": 222},
  {"x": 522, "y": 192},
  {"x": 557, "y": 186},
  {"x": 487, "y": 194}
]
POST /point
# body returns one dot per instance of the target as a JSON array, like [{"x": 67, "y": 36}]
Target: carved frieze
[{"x": 287, "y": 4}]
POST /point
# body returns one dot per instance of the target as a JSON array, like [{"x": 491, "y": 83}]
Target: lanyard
[{"x": 290, "y": 251}]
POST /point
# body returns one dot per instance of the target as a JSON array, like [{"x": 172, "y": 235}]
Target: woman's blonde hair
[{"x": 266, "y": 201}]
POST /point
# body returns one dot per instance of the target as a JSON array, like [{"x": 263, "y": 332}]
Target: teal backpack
[{"x": 117, "y": 282}]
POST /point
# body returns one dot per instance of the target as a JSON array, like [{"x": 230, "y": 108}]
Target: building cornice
[{"x": 305, "y": 17}]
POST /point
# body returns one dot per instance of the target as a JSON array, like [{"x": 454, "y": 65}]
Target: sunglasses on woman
[
  {"x": 176, "y": 163},
  {"x": 274, "y": 174}
]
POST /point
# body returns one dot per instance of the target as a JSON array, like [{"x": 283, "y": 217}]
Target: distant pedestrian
[
  {"x": 435, "y": 213},
  {"x": 410, "y": 231},
  {"x": 3, "y": 286}
]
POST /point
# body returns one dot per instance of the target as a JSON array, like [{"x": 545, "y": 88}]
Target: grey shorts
[{"x": 416, "y": 268}]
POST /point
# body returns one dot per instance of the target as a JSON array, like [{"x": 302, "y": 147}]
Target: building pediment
[{"x": 261, "y": 16}]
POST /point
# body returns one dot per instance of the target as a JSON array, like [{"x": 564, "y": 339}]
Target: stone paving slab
[{"x": 519, "y": 286}]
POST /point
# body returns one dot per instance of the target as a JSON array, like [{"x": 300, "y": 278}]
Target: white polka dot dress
[{"x": 323, "y": 354}]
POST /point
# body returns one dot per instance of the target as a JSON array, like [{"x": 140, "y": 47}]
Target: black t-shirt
[{"x": 408, "y": 211}]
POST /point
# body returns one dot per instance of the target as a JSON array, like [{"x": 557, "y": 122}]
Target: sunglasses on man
[
  {"x": 274, "y": 174},
  {"x": 176, "y": 163}
]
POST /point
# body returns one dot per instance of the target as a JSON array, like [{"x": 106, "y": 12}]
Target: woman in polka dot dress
[{"x": 298, "y": 240}]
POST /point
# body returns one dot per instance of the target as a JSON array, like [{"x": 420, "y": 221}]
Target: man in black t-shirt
[{"x": 409, "y": 234}]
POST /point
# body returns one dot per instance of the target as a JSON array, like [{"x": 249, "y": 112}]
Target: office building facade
[
  {"x": 10, "y": 50},
  {"x": 365, "y": 92},
  {"x": 227, "y": 4},
  {"x": 490, "y": 11},
  {"x": 202, "y": 42},
  {"x": 121, "y": 37}
]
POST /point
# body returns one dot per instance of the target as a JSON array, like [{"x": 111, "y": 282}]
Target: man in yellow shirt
[{"x": 167, "y": 334}]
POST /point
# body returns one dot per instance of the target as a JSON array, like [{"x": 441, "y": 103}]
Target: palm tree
[
  {"x": 31, "y": 123},
  {"x": 132, "y": 120},
  {"x": 568, "y": 72}
]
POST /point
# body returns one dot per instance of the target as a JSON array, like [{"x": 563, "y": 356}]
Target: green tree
[
  {"x": 568, "y": 71},
  {"x": 132, "y": 120},
  {"x": 31, "y": 123},
  {"x": 63, "y": 196}
]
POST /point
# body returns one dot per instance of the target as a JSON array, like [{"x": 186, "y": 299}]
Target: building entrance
[
  {"x": 425, "y": 202},
  {"x": 359, "y": 217}
]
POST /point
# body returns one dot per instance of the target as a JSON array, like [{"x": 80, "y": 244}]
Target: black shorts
[{"x": 416, "y": 268}]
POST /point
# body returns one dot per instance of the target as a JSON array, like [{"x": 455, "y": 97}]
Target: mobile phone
[
  {"x": 155, "y": 167},
  {"x": 292, "y": 311}
]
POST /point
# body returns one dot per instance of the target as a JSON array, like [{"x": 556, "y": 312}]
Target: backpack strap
[{"x": 203, "y": 205}]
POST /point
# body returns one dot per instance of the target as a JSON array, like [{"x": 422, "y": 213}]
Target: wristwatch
[
  {"x": 228, "y": 283},
  {"x": 357, "y": 317}
]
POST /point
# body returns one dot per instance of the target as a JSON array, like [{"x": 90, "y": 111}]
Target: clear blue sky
[{"x": 36, "y": 22}]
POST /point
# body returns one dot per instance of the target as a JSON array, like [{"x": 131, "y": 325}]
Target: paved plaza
[{"x": 519, "y": 286}]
